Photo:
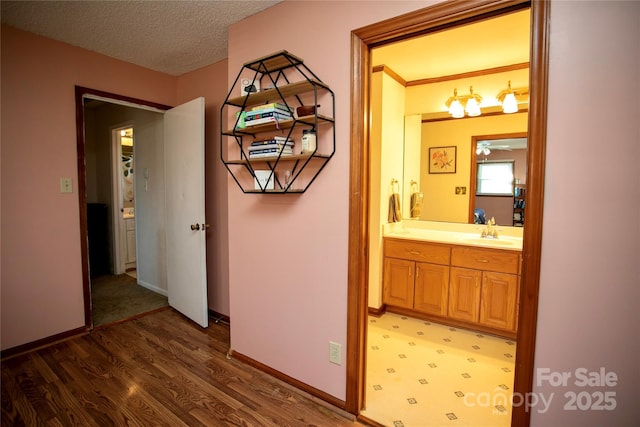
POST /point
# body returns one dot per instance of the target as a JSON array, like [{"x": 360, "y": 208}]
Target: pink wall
[
  {"x": 284, "y": 317},
  {"x": 41, "y": 267},
  {"x": 211, "y": 82},
  {"x": 288, "y": 254},
  {"x": 590, "y": 272}
]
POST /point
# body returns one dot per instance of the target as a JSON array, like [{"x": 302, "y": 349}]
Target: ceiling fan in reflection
[{"x": 485, "y": 147}]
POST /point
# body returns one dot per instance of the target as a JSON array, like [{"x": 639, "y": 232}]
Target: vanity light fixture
[
  {"x": 457, "y": 105},
  {"x": 473, "y": 104},
  {"x": 509, "y": 98}
]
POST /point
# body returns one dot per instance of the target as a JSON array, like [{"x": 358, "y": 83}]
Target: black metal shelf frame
[{"x": 277, "y": 69}]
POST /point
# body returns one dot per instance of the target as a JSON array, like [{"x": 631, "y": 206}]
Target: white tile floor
[{"x": 423, "y": 374}]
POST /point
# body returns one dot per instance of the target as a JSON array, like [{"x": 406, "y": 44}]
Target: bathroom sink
[{"x": 488, "y": 242}]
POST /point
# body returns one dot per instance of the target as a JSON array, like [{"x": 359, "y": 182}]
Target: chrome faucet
[{"x": 490, "y": 232}]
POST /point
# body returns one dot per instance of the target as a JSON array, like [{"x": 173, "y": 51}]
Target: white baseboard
[{"x": 153, "y": 288}]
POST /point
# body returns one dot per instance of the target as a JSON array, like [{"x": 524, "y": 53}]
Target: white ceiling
[{"x": 172, "y": 37}]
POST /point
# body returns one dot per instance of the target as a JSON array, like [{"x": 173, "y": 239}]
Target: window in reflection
[{"x": 495, "y": 179}]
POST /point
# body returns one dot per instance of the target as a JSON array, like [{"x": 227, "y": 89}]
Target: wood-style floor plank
[{"x": 159, "y": 369}]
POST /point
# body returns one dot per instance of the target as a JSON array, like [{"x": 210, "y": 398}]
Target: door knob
[
  {"x": 205, "y": 226},
  {"x": 195, "y": 227}
]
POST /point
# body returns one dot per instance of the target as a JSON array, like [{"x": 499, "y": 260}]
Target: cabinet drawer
[
  {"x": 417, "y": 251},
  {"x": 485, "y": 259}
]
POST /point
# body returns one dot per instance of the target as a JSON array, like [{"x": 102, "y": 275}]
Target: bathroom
[
  {"x": 411, "y": 132},
  {"x": 127, "y": 190}
]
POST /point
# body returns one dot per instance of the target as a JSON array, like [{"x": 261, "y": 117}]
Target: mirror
[
  {"x": 449, "y": 195},
  {"x": 498, "y": 179},
  {"x": 439, "y": 157}
]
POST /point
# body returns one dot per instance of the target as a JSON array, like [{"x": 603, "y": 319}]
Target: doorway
[
  {"x": 117, "y": 292},
  {"x": 436, "y": 18},
  {"x": 123, "y": 188},
  {"x": 171, "y": 250}
]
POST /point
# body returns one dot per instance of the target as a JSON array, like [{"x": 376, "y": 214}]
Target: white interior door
[{"x": 184, "y": 186}]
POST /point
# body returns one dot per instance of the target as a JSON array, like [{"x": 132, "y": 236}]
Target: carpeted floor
[{"x": 120, "y": 297}]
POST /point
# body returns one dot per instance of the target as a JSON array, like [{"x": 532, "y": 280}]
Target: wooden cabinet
[
  {"x": 416, "y": 276},
  {"x": 484, "y": 286},
  {"x": 431, "y": 288},
  {"x": 471, "y": 286},
  {"x": 398, "y": 288},
  {"x": 130, "y": 226},
  {"x": 498, "y": 300},
  {"x": 464, "y": 294}
]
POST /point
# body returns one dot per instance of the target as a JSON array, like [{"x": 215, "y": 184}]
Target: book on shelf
[
  {"x": 273, "y": 150},
  {"x": 265, "y": 120},
  {"x": 271, "y": 143},
  {"x": 270, "y": 154},
  {"x": 260, "y": 114},
  {"x": 277, "y": 106},
  {"x": 280, "y": 139},
  {"x": 270, "y": 149}
]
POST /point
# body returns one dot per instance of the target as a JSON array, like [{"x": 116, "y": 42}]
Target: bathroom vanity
[{"x": 455, "y": 278}]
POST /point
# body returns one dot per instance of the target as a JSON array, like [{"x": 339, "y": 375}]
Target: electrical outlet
[{"x": 335, "y": 353}]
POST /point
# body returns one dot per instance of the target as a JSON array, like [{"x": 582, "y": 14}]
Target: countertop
[{"x": 464, "y": 235}]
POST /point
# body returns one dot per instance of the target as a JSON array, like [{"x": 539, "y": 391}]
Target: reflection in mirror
[
  {"x": 449, "y": 194},
  {"x": 498, "y": 180},
  {"x": 464, "y": 66}
]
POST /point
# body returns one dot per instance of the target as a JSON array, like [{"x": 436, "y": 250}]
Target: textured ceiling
[
  {"x": 173, "y": 37},
  {"x": 176, "y": 37}
]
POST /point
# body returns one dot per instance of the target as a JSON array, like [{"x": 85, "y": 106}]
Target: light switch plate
[
  {"x": 335, "y": 353},
  {"x": 66, "y": 185}
]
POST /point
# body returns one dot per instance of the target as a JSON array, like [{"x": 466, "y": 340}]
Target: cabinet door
[
  {"x": 398, "y": 282},
  {"x": 499, "y": 300},
  {"x": 131, "y": 246},
  {"x": 464, "y": 294},
  {"x": 130, "y": 225},
  {"x": 431, "y": 288}
]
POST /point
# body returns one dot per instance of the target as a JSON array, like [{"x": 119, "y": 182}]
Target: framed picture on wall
[{"x": 442, "y": 159}]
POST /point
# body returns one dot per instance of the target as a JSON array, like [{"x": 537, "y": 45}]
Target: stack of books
[
  {"x": 276, "y": 146},
  {"x": 268, "y": 113}
]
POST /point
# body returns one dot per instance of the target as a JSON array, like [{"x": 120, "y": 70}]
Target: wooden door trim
[
  {"x": 80, "y": 93},
  {"x": 435, "y": 18}
]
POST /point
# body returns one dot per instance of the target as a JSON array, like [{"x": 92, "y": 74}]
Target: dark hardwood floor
[{"x": 159, "y": 369}]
